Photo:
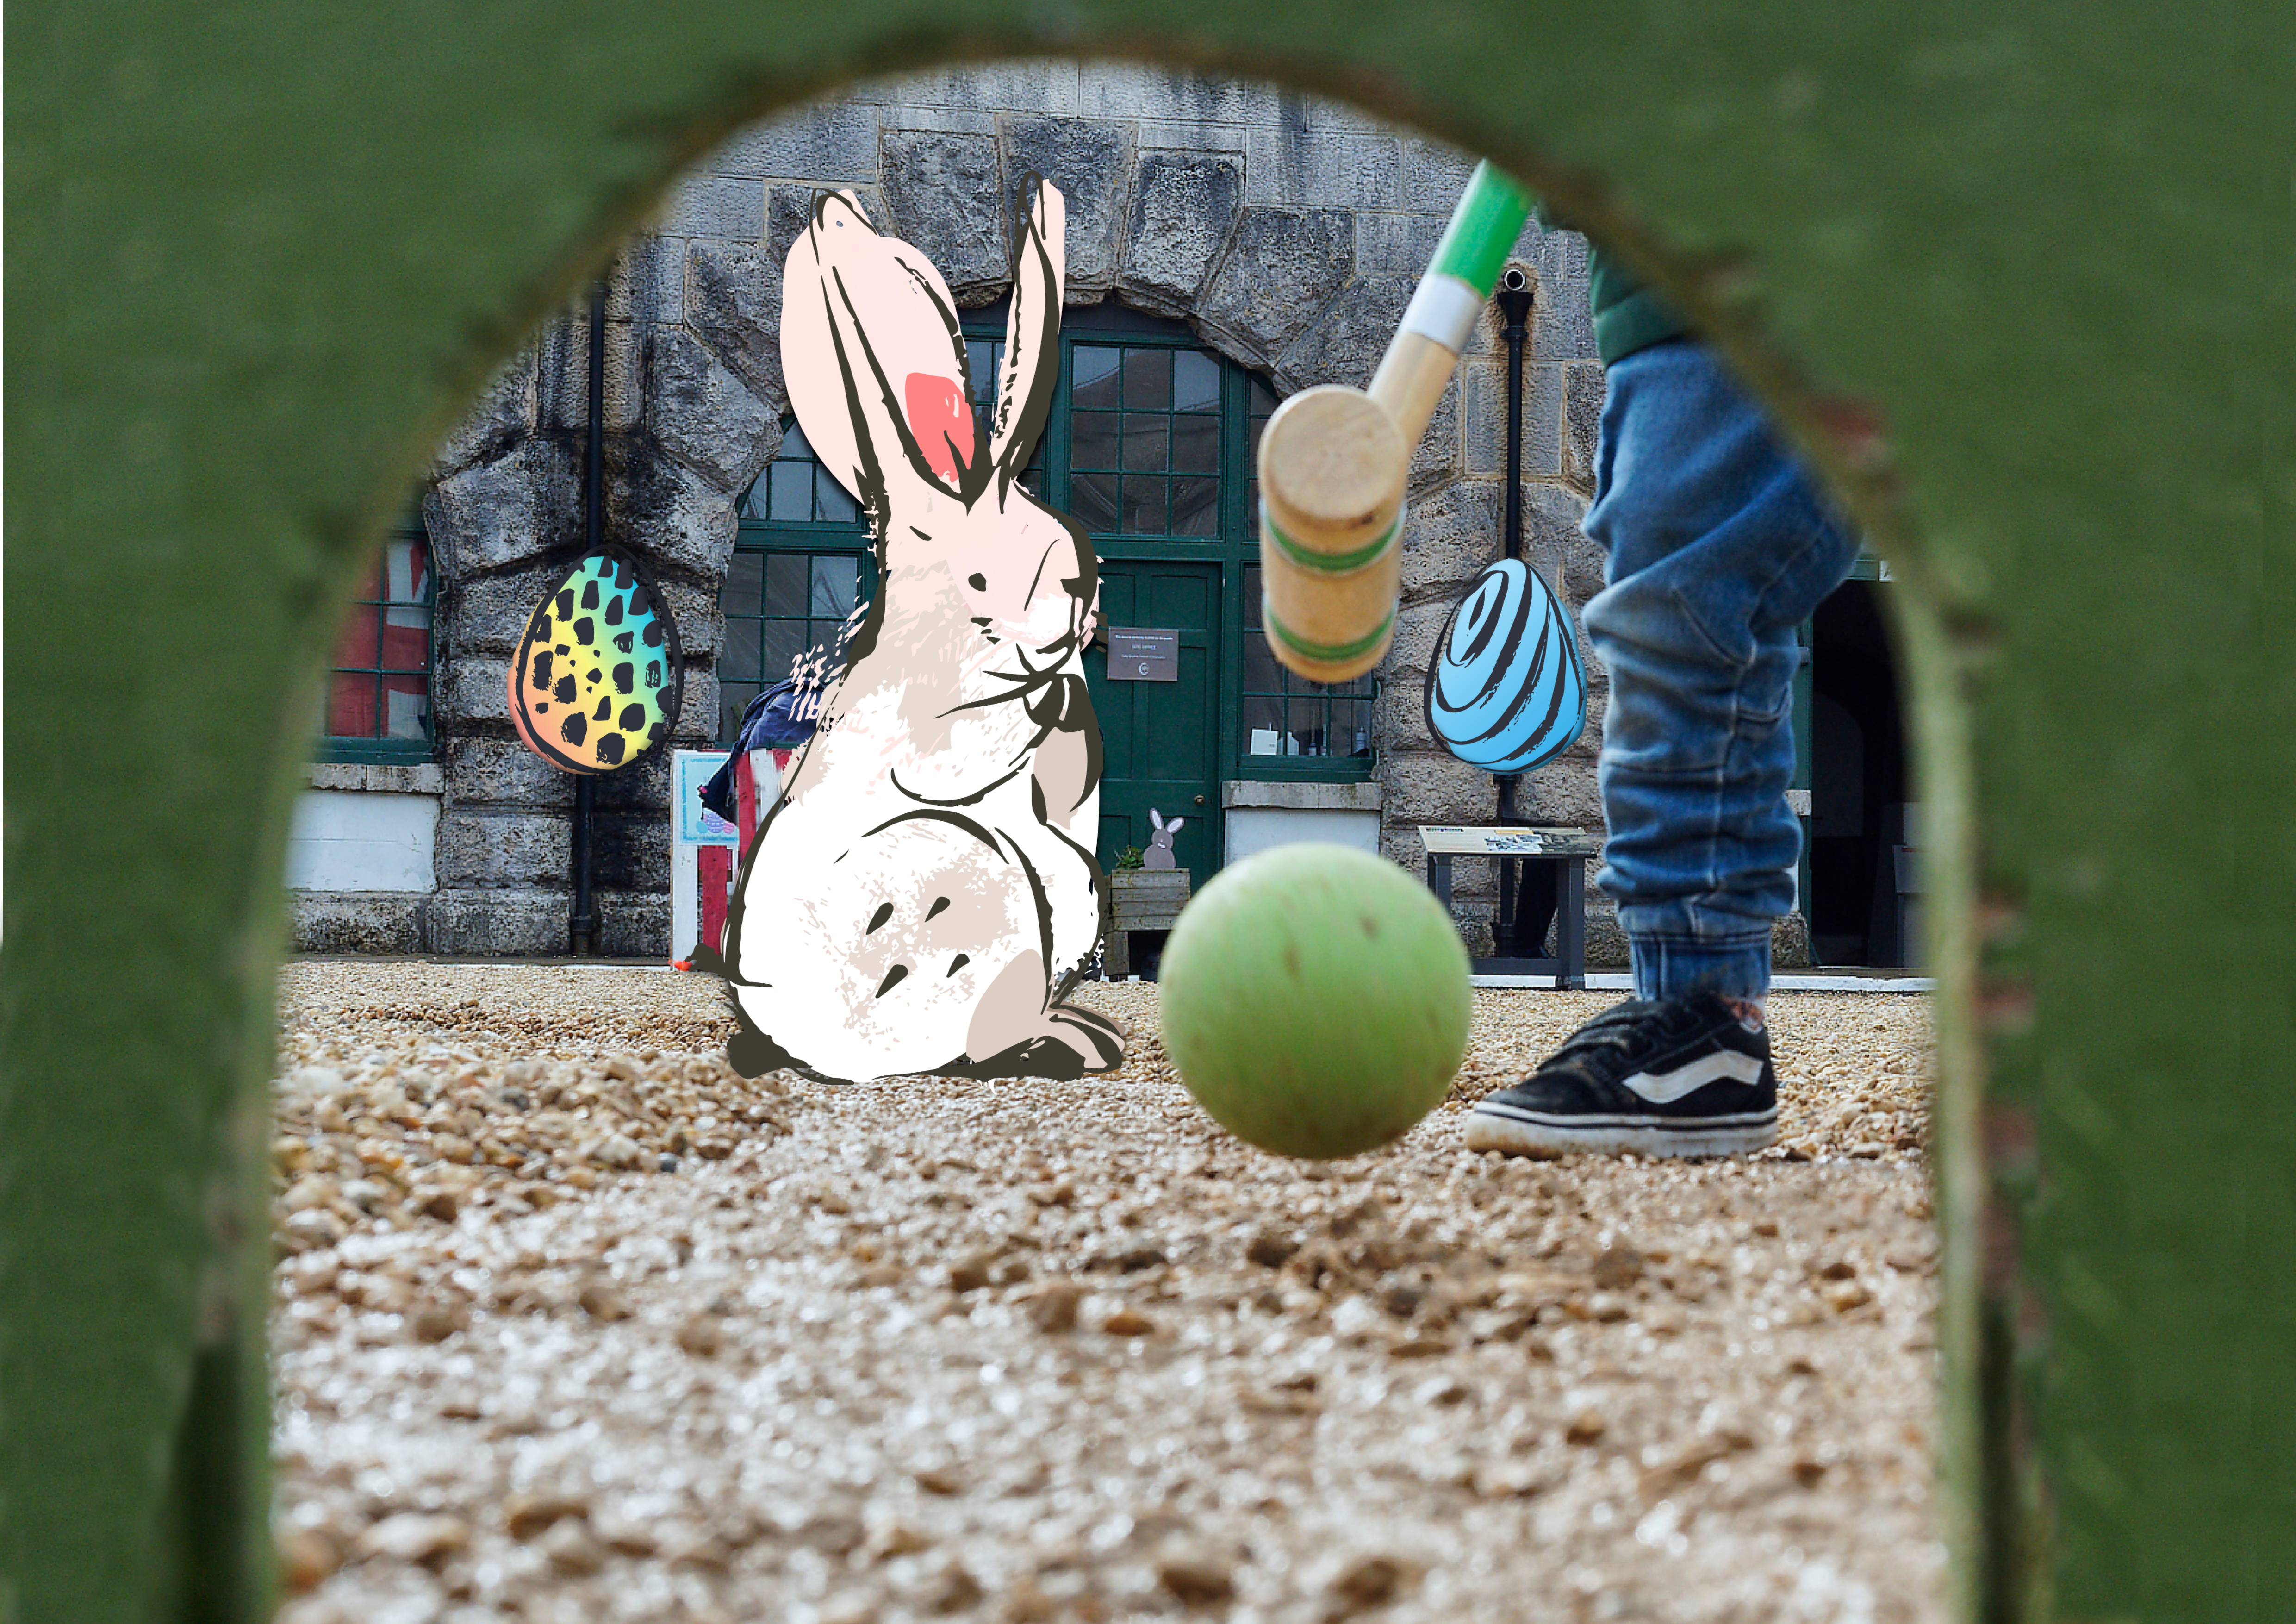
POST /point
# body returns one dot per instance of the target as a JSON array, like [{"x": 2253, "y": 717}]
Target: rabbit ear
[
  {"x": 1032, "y": 331},
  {"x": 1157, "y": 818},
  {"x": 875, "y": 359},
  {"x": 1174, "y": 826}
]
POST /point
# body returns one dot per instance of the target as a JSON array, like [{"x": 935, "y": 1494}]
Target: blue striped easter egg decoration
[{"x": 1506, "y": 691}]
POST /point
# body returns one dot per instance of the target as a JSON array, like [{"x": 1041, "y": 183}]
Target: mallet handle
[{"x": 1449, "y": 300}]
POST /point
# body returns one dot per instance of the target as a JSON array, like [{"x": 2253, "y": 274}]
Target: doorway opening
[{"x": 1862, "y": 876}]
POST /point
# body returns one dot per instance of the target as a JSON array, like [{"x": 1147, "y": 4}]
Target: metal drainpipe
[
  {"x": 1514, "y": 295},
  {"x": 582, "y": 927}
]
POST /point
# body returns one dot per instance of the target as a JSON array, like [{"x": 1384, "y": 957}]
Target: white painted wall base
[
  {"x": 1256, "y": 829},
  {"x": 354, "y": 841}
]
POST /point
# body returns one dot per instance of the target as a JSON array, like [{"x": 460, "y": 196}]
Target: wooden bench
[
  {"x": 1141, "y": 899},
  {"x": 1511, "y": 847}
]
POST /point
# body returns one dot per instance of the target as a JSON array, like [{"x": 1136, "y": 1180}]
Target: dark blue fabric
[
  {"x": 1720, "y": 545},
  {"x": 768, "y": 723}
]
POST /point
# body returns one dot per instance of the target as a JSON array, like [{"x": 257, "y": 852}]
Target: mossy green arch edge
[{"x": 2017, "y": 273}]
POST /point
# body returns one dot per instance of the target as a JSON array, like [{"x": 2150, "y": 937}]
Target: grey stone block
[
  {"x": 1562, "y": 793},
  {"x": 632, "y": 924},
  {"x": 1037, "y": 85},
  {"x": 1482, "y": 417},
  {"x": 477, "y": 691},
  {"x": 913, "y": 118},
  {"x": 504, "y": 512},
  {"x": 1192, "y": 137},
  {"x": 1436, "y": 458},
  {"x": 944, "y": 194},
  {"x": 502, "y": 848},
  {"x": 1399, "y": 716},
  {"x": 641, "y": 789},
  {"x": 1124, "y": 90},
  {"x": 1790, "y": 943},
  {"x": 1281, "y": 268},
  {"x": 1183, "y": 208},
  {"x": 1388, "y": 241},
  {"x": 378, "y": 777},
  {"x": 501, "y": 772},
  {"x": 674, "y": 517},
  {"x": 631, "y": 852},
  {"x": 1348, "y": 336},
  {"x": 829, "y": 140},
  {"x": 1606, "y": 943},
  {"x": 497, "y": 922},
  {"x": 358, "y": 921},
  {"x": 1435, "y": 173},
  {"x": 488, "y": 614},
  {"x": 563, "y": 375},
  {"x": 1328, "y": 117},
  {"x": 701, "y": 623},
  {"x": 697, "y": 718},
  {"x": 1434, "y": 788},
  {"x": 1288, "y": 168},
  {"x": 1584, "y": 390},
  {"x": 706, "y": 416},
  {"x": 733, "y": 304},
  {"x": 1448, "y": 539},
  {"x": 1550, "y": 518},
  {"x": 503, "y": 414},
  {"x": 648, "y": 282},
  {"x": 730, "y": 208},
  {"x": 1417, "y": 627},
  {"x": 1090, "y": 161},
  {"x": 1562, "y": 321}
]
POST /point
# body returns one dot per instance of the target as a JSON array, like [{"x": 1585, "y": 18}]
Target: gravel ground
[{"x": 573, "y": 1324}]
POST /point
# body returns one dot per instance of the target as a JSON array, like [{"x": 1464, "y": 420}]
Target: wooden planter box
[{"x": 1142, "y": 899}]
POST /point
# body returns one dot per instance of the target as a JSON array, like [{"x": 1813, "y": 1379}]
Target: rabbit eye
[{"x": 977, "y": 581}]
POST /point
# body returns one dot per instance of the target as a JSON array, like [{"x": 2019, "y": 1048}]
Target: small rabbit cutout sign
[
  {"x": 925, "y": 895},
  {"x": 1159, "y": 854}
]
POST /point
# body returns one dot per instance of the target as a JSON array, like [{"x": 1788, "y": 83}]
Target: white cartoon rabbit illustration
[
  {"x": 925, "y": 894},
  {"x": 1159, "y": 854}
]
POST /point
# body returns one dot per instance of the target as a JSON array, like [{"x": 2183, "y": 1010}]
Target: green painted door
[{"x": 1160, "y": 740}]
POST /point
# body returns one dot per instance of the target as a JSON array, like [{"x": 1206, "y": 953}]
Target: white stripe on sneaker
[{"x": 1706, "y": 1069}]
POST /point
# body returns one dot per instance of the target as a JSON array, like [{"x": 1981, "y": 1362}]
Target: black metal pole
[
  {"x": 582, "y": 927},
  {"x": 1515, "y": 292}
]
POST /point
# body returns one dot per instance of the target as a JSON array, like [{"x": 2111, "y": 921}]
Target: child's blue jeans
[{"x": 1720, "y": 545}]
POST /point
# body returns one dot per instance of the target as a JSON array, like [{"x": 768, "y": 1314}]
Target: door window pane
[
  {"x": 1195, "y": 381},
  {"x": 1093, "y": 375},
  {"x": 1146, "y": 444},
  {"x": 1148, "y": 380}
]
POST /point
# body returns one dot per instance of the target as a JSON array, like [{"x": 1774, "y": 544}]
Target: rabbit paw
[{"x": 1074, "y": 1041}]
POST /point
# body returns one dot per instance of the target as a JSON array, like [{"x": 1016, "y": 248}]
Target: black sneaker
[{"x": 1684, "y": 1077}]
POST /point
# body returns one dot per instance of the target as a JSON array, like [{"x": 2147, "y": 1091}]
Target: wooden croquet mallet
[{"x": 1334, "y": 462}]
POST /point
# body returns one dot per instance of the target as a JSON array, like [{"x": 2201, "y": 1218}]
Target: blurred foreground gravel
[{"x": 573, "y": 1324}]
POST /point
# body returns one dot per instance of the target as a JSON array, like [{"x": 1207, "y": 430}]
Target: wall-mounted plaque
[{"x": 1138, "y": 654}]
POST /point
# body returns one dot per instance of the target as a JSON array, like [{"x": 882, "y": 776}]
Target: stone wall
[{"x": 1287, "y": 232}]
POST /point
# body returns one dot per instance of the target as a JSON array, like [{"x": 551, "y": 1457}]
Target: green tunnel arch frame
[{"x": 2017, "y": 275}]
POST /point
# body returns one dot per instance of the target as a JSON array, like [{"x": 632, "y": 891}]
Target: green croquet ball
[{"x": 1316, "y": 1000}]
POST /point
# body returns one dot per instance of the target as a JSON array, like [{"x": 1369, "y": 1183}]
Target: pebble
[
  {"x": 1127, "y": 1322},
  {"x": 572, "y": 1548},
  {"x": 1196, "y": 1580},
  {"x": 1278, "y": 1395},
  {"x": 413, "y": 1537}
]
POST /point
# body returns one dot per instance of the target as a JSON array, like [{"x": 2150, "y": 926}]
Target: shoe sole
[{"x": 1529, "y": 1133}]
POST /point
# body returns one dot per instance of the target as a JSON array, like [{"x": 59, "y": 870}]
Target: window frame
[{"x": 350, "y": 750}]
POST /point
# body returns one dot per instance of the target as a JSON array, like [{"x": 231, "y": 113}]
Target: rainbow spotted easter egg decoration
[{"x": 597, "y": 681}]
